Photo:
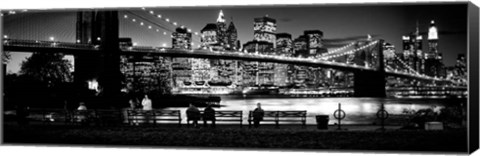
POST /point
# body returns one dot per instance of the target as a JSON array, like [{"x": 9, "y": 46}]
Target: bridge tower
[
  {"x": 101, "y": 29},
  {"x": 371, "y": 83}
]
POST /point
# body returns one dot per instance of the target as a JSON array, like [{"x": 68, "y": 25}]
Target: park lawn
[{"x": 453, "y": 140}]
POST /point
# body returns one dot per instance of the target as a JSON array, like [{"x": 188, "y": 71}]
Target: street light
[
  {"x": 52, "y": 38},
  {"x": 5, "y": 36}
]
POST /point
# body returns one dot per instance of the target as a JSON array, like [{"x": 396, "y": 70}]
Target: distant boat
[
  {"x": 219, "y": 83},
  {"x": 187, "y": 83},
  {"x": 200, "y": 83}
]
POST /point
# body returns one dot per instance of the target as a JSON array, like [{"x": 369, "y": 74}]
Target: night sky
[{"x": 389, "y": 22}]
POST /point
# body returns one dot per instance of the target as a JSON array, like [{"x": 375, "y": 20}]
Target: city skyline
[{"x": 393, "y": 22}]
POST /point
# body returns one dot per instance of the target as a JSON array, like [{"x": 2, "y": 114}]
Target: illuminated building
[
  {"x": 300, "y": 47},
  {"x": 264, "y": 29},
  {"x": 299, "y": 73},
  {"x": 389, "y": 56},
  {"x": 283, "y": 73},
  {"x": 412, "y": 51},
  {"x": 314, "y": 42},
  {"x": 433, "y": 59},
  {"x": 232, "y": 42},
  {"x": 222, "y": 29},
  {"x": 216, "y": 75},
  {"x": 201, "y": 72},
  {"x": 181, "y": 67},
  {"x": 146, "y": 73},
  {"x": 181, "y": 72},
  {"x": 181, "y": 39},
  {"x": 210, "y": 36},
  {"x": 264, "y": 41},
  {"x": 266, "y": 73},
  {"x": 218, "y": 37},
  {"x": 263, "y": 36},
  {"x": 261, "y": 47},
  {"x": 284, "y": 44}
]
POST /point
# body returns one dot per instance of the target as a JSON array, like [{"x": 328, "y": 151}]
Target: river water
[{"x": 358, "y": 110}]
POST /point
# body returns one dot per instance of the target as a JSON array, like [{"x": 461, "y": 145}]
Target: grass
[{"x": 454, "y": 140}]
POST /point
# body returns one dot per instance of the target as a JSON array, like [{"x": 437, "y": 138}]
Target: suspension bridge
[{"x": 97, "y": 39}]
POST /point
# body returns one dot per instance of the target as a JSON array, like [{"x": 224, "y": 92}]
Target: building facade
[
  {"x": 181, "y": 39},
  {"x": 433, "y": 59}
]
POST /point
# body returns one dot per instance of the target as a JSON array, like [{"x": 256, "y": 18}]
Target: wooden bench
[
  {"x": 281, "y": 116},
  {"x": 167, "y": 115},
  {"x": 153, "y": 116},
  {"x": 48, "y": 116},
  {"x": 83, "y": 116},
  {"x": 269, "y": 116},
  {"x": 224, "y": 115},
  {"x": 108, "y": 117}
]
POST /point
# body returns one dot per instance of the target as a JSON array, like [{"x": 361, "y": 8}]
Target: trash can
[{"x": 322, "y": 121}]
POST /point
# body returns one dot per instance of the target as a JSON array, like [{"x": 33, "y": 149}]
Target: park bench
[
  {"x": 153, "y": 116},
  {"x": 281, "y": 116},
  {"x": 49, "y": 115},
  {"x": 269, "y": 116},
  {"x": 225, "y": 116},
  {"x": 83, "y": 116},
  {"x": 167, "y": 115},
  {"x": 229, "y": 116},
  {"x": 108, "y": 117}
]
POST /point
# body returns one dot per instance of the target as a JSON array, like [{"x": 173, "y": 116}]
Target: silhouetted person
[
  {"x": 82, "y": 106},
  {"x": 193, "y": 114},
  {"x": 133, "y": 103},
  {"x": 82, "y": 115},
  {"x": 257, "y": 115},
  {"x": 209, "y": 115}
]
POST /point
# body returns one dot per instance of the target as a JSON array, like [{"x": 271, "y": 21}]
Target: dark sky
[{"x": 390, "y": 22}]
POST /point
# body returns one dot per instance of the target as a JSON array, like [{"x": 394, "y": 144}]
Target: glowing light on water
[{"x": 358, "y": 110}]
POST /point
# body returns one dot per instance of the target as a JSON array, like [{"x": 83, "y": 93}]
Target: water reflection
[{"x": 359, "y": 110}]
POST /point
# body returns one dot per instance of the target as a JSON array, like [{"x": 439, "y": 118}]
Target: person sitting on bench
[
  {"x": 257, "y": 115},
  {"x": 209, "y": 115},
  {"x": 193, "y": 114}
]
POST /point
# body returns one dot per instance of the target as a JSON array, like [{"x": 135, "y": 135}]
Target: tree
[{"x": 49, "y": 68}]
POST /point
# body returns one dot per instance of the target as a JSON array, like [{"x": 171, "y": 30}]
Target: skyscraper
[
  {"x": 209, "y": 35},
  {"x": 412, "y": 51},
  {"x": 433, "y": 59},
  {"x": 181, "y": 39},
  {"x": 232, "y": 36},
  {"x": 218, "y": 36},
  {"x": 300, "y": 46},
  {"x": 314, "y": 42},
  {"x": 284, "y": 44},
  {"x": 222, "y": 29},
  {"x": 263, "y": 35}
]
